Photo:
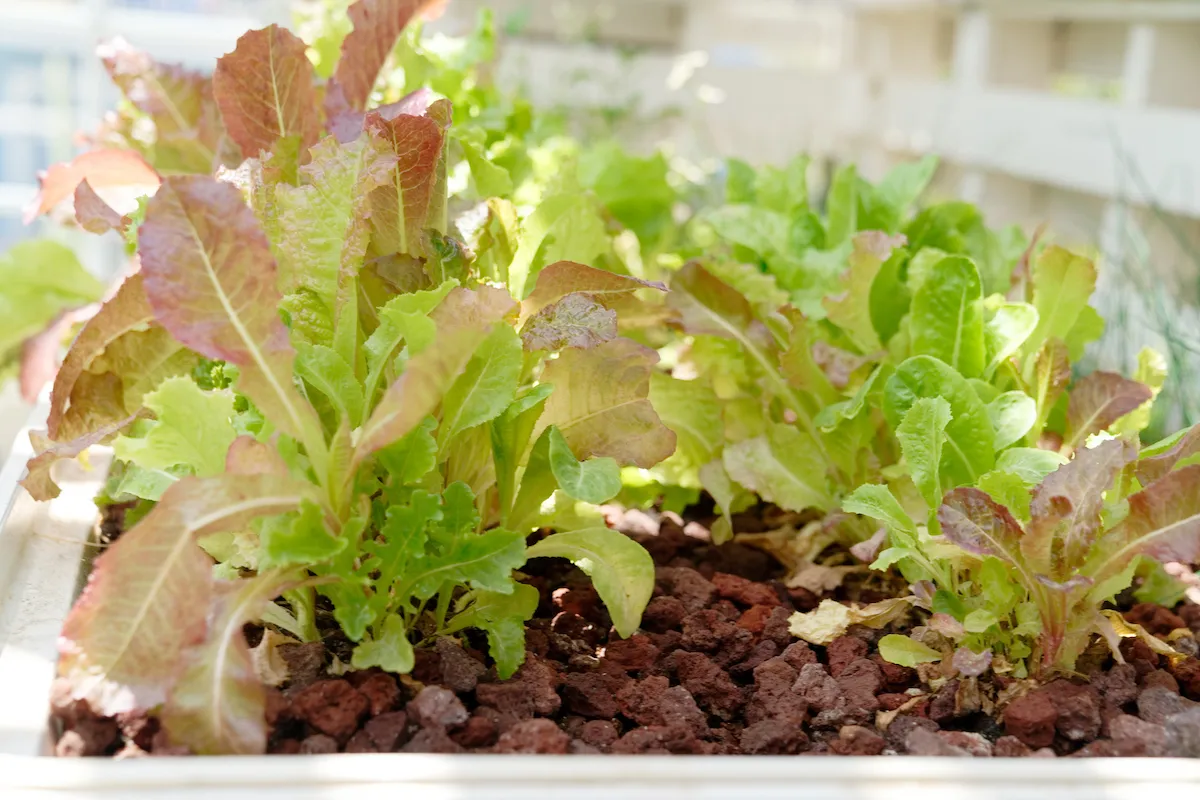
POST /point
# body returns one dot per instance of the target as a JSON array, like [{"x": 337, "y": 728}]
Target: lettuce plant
[
  {"x": 914, "y": 379},
  {"x": 985, "y": 426},
  {"x": 1037, "y": 567},
  {"x": 311, "y": 393},
  {"x": 768, "y": 219}
]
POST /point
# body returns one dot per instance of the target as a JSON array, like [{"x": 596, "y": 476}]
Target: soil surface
[{"x": 713, "y": 671}]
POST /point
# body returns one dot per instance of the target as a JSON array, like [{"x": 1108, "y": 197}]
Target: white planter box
[{"x": 43, "y": 551}]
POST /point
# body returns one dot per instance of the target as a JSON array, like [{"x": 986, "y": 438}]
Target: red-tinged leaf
[
  {"x": 972, "y": 520},
  {"x": 600, "y": 404},
  {"x": 172, "y": 95},
  {"x": 711, "y": 307},
  {"x": 413, "y": 198},
  {"x": 798, "y": 362},
  {"x": 118, "y": 177},
  {"x": 323, "y": 225},
  {"x": 127, "y": 351},
  {"x": 149, "y": 594},
  {"x": 1163, "y": 523},
  {"x": 463, "y": 320},
  {"x": 127, "y": 310},
  {"x": 377, "y": 26},
  {"x": 1098, "y": 401},
  {"x": 837, "y": 364},
  {"x": 248, "y": 456},
  {"x": 266, "y": 91},
  {"x": 210, "y": 278},
  {"x": 93, "y": 214},
  {"x": 1152, "y": 467},
  {"x": 1065, "y": 509},
  {"x": 38, "y": 480},
  {"x": 576, "y": 320},
  {"x": 189, "y": 136},
  {"x": 346, "y": 124},
  {"x": 971, "y": 664},
  {"x": 218, "y": 705},
  {"x": 557, "y": 280},
  {"x": 259, "y": 182},
  {"x": 1052, "y": 373}
]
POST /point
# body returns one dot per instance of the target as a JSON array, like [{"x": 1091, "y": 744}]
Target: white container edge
[{"x": 42, "y": 553}]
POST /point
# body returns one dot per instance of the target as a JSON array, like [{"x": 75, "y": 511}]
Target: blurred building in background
[
  {"x": 1084, "y": 114},
  {"x": 52, "y": 86}
]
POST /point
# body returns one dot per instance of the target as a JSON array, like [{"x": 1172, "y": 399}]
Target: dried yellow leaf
[{"x": 830, "y": 619}]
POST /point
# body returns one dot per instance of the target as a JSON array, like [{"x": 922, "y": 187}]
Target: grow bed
[
  {"x": 714, "y": 669},
  {"x": 51, "y": 540}
]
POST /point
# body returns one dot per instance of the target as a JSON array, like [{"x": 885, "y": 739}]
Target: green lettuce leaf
[
  {"x": 620, "y": 568},
  {"x": 947, "y": 316}
]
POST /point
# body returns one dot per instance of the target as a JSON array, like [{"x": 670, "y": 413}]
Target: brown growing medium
[{"x": 713, "y": 671}]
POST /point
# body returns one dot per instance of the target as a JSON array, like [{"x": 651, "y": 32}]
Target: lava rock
[
  {"x": 754, "y": 619},
  {"x": 431, "y": 740},
  {"x": 704, "y": 630},
  {"x": 1078, "y": 710},
  {"x": 897, "y": 733},
  {"x": 532, "y": 690},
  {"x": 1159, "y": 677},
  {"x": 855, "y": 740},
  {"x": 599, "y": 734},
  {"x": 593, "y": 694},
  {"x": 773, "y": 695},
  {"x": 761, "y": 653},
  {"x": 460, "y": 671},
  {"x": 860, "y": 681},
  {"x": 381, "y": 692},
  {"x": 799, "y": 655},
  {"x": 480, "y": 730},
  {"x": 435, "y": 707},
  {"x": 318, "y": 744},
  {"x": 1118, "y": 686},
  {"x": 533, "y": 736},
  {"x": 1183, "y": 734},
  {"x": 387, "y": 730},
  {"x": 332, "y": 706},
  {"x": 1187, "y": 674},
  {"x": 823, "y": 695},
  {"x": 895, "y": 677},
  {"x": 709, "y": 684},
  {"x": 658, "y": 739},
  {"x": 1157, "y": 704},
  {"x": 1010, "y": 747},
  {"x": 1154, "y": 618},
  {"x": 773, "y": 736},
  {"x": 842, "y": 651},
  {"x": 664, "y": 613},
  {"x": 741, "y": 590},
  {"x": 693, "y": 589},
  {"x": 924, "y": 742},
  {"x": 1032, "y": 718},
  {"x": 361, "y": 742},
  {"x": 1132, "y": 736},
  {"x": 635, "y": 654}
]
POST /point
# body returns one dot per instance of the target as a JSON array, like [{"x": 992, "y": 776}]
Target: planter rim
[
  {"x": 454, "y": 776},
  {"x": 400, "y": 769}
]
